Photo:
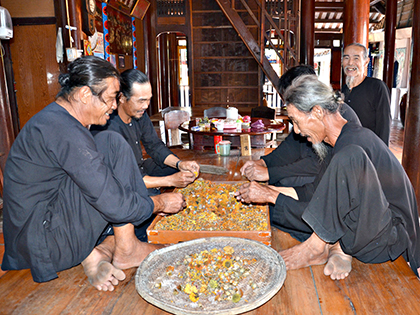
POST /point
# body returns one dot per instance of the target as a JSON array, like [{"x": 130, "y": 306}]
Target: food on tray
[
  {"x": 258, "y": 125},
  {"x": 217, "y": 274},
  {"x": 213, "y": 207}
]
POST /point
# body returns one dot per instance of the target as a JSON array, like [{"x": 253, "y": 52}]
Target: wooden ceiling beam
[{"x": 329, "y": 6}]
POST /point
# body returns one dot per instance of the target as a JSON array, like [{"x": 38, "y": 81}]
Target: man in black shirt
[
  {"x": 293, "y": 162},
  {"x": 163, "y": 169},
  {"x": 364, "y": 205},
  {"x": 369, "y": 97},
  {"x": 63, "y": 187}
]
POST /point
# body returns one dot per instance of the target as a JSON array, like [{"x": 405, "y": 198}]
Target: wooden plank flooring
[{"x": 388, "y": 288}]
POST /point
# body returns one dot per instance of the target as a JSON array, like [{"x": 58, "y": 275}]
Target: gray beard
[
  {"x": 321, "y": 150},
  {"x": 349, "y": 82}
]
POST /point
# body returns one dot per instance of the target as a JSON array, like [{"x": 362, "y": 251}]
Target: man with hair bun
[
  {"x": 364, "y": 205},
  {"x": 293, "y": 162},
  {"x": 63, "y": 187}
]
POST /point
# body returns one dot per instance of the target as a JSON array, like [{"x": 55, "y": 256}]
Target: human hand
[
  {"x": 168, "y": 203},
  {"x": 181, "y": 179},
  {"x": 254, "y": 192},
  {"x": 254, "y": 171},
  {"x": 189, "y": 166}
]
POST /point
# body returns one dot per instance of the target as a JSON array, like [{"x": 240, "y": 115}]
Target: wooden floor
[{"x": 388, "y": 288}]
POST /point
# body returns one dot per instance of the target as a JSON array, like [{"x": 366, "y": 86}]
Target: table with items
[{"x": 204, "y": 131}]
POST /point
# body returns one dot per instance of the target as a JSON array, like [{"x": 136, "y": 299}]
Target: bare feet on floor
[
  {"x": 98, "y": 268},
  {"x": 338, "y": 266},
  {"x": 313, "y": 251},
  {"x": 131, "y": 256}
]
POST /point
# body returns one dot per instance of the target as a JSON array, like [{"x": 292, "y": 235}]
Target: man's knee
[{"x": 110, "y": 141}]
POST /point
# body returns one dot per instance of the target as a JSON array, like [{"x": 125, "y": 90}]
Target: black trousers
[
  {"x": 70, "y": 242},
  {"x": 348, "y": 206}
]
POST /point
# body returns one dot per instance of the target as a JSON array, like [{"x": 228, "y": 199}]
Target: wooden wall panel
[
  {"x": 26, "y": 8},
  {"x": 35, "y": 68}
]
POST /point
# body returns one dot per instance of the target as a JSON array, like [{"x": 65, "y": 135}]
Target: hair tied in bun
[
  {"x": 338, "y": 96},
  {"x": 64, "y": 79}
]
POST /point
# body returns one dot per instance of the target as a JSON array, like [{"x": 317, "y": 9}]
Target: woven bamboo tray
[{"x": 268, "y": 273}]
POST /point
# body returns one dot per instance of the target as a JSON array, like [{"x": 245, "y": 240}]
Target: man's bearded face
[{"x": 354, "y": 64}]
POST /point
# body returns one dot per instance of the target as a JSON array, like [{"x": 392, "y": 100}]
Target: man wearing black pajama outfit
[{"x": 364, "y": 205}]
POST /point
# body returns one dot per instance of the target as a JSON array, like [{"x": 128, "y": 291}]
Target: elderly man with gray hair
[
  {"x": 364, "y": 205},
  {"x": 369, "y": 97}
]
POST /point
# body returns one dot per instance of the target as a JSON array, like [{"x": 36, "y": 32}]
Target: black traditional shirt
[
  {"x": 371, "y": 102},
  {"x": 295, "y": 156},
  {"x": 141, "y": 131},
  {"x": 53, "y": 167}
]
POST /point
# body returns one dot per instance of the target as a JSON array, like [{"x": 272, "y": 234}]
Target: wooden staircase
[
  {"x": 277, "y": 30},
  {"x": 229, "y": 42}
]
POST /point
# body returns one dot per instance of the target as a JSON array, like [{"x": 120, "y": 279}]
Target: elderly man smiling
[
  {"x": 364, "y": 205},
  {"x": 369, "y": 97}
]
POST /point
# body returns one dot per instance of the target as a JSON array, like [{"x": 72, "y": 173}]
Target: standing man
[{"x": 369, "y": 97}]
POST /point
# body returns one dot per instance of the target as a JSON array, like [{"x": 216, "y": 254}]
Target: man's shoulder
[
  {"x": 49, "y": 118},
  {"x": 371, "y": 81},
  {"x": 355, "y": 133}
]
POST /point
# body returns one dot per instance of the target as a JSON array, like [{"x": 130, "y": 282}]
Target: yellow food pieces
[
  {"x": 214, "y": 274},
  {"x": 213, "y": 207}
]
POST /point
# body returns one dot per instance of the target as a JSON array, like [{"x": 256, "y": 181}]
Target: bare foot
[
  {"x": 98, "y": 268},
  {"x": 338, "y": 266},
  {"x": 313, "y": 251},
  {"x": 131, "y": 256}
]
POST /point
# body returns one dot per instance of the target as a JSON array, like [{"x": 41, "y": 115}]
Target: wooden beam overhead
[{"x": 329, "y": 6}]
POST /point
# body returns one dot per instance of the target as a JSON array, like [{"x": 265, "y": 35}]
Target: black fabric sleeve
[{"x": 383, "y": 113}]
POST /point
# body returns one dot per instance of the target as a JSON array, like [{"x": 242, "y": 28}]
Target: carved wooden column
[
  {"x": 411, "y": 150},
  {"x": 389, "y": 50},
  {"x": 75, "y": 15},
  {"x": 356, "y": 22},
  {"x": 307, "y": 37}
]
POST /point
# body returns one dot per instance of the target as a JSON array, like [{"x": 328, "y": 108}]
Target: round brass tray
[{"x": 268, "y": 273}]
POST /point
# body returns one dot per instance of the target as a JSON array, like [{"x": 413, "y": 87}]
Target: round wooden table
[{"x": 202, "y": 139}]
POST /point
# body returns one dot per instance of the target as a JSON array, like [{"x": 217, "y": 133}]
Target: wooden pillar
[
  {"x": 75, "y": 15},
  {"x": 150, "y": 44},
  {"x": 307, "y": 38},
  {"x": 7, "y": 134},
  {"x": 411, "y": 149},
  {"x": 173, "y": 69},
  {"x": 164, "y": 69},
  {"x": 356, "y": 22},
  {"x": 389, "y": 50}
]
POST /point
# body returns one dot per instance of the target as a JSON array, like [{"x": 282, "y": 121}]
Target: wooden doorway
[{"x": 173, "y": 81}]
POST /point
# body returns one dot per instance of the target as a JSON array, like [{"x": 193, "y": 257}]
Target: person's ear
[
  {"x": 318, "y": 112},
  {"x": 122, "y": 99},
  {"x": 85, "y": 94},
  {"x": 365, "y": 64}
]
